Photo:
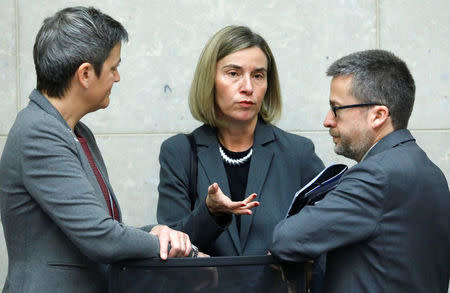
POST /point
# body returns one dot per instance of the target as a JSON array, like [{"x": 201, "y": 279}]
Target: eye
[
  {"x": 232, "y": 73},
  {"x": 259, "y": 76},
  {"x": 114, "y": 68}
]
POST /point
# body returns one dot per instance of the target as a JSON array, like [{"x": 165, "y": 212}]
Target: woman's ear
[{"x": 84, "y": 74}]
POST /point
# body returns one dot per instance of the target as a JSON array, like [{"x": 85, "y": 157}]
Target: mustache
[{"x": 332, "y": 132}]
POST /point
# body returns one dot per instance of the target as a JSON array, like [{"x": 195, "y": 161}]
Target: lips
[{"x": 246, "y": 103}]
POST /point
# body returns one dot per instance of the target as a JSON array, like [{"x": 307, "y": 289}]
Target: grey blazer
[
  {"x": 281, "y": 163},
  {"x": 385, "y": 227},
  {"x": 57, "y": 227}
]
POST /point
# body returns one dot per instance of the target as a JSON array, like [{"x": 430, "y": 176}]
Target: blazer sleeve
[
  {"x": 53, "y": 175},
  {"x": 348, "y": 214},
  {"x": 174, "y": 203}
]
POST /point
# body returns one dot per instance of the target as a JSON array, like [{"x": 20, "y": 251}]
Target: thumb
[{"x": 213, "y": 188}]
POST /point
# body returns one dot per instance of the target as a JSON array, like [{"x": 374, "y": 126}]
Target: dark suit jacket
[
  {"x": 58, "y": 230},
  {"x": 385, "y": 227},
  {"x": 281, "y": 163}
]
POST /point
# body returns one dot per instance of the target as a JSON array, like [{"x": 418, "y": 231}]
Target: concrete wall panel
[{"x": 149, "y": 104}]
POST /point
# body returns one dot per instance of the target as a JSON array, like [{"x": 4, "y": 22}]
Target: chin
[
  {"x": 105, "y": 103},
  {"x": 248, "y": 117}
]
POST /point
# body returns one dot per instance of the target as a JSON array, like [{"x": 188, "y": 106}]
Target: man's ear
[
  {"x": 84, "y": 74},
  {"x": 379, "y": 116}
]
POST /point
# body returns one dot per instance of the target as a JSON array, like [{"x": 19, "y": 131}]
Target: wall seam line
[
  {"x": 132, "y": 134},
  {"x": 17, "y": 56},
  {"x": 377, "y": 17}
]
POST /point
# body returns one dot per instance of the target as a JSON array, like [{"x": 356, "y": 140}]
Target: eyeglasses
[{"x": 334, "y": 108}]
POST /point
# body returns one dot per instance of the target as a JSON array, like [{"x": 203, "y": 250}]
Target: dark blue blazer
[{"x": 385, "y": 227}]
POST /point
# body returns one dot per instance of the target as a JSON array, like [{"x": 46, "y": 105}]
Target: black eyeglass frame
[{"x": 335, "y": 108}]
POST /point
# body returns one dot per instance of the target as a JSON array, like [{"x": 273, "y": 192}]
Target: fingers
[
  {"x": 235, "y": 205},
  {"x": 242, "y": 211},
  {"x": 163, "y": 237},
  {"x": 188, "y": 248},
  {"x": 252, "y": 205},
  {"x": 250, "y": 198},
  {"x": 245, "y": 206},
  {"x": 179, "y": 242}
]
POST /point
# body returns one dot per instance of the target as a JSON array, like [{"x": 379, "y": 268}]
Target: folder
[{"x": 317, "y": 188}]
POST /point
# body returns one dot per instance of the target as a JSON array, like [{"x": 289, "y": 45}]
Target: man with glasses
[{"x": 385, "y": 228}]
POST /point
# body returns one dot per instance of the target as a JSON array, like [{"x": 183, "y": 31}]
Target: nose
[
  {"x": 330, "y": 120},
  {"x": 117, "y": 76},
  {"x": 247, "y": 86}
]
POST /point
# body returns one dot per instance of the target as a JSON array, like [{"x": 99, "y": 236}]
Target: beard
[{"x": 354, "y": 147}]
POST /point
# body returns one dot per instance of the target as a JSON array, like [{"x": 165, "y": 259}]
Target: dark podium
[{"x": 215, "y": 274}]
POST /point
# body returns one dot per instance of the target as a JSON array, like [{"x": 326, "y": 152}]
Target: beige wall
[{"x": 166, "y": 38}]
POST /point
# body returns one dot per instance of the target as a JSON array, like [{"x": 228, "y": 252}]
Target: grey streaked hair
[
  {"x": 378, "y": 76},
  {"x": 73, "y": 36}
]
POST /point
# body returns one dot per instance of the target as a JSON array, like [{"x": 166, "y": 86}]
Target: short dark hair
[
  {"x": 378, "y": 76},
  {"x": 72, "y": 36},
  {"x": 225, "y": 42}
]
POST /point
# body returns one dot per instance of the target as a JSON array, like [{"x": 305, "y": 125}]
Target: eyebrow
[
  {"x": 333, "y": 102},
  {"x": 240, "y": 67}
]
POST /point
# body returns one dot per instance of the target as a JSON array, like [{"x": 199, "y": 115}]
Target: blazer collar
[
  {"x": 391, "y": 140},
  {"x": 45, "y": 105},
  {"x": 40, "y": 100}
]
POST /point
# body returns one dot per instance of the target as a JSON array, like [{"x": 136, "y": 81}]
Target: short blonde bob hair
[{"x": 225, "y": 42}]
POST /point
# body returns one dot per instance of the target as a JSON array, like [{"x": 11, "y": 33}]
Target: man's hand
[
  {"x": 180, "y": 245},
  {"x": 218, "y": 202}
]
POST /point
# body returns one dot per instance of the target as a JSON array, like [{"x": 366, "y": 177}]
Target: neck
[
  {"x": 67, "y": 107},
  {"x": 384, "y": 130},
  {"x": 237, "y": 137},
  {"x": 380, "y": 132}
]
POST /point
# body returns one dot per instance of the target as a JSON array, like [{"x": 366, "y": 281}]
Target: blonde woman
[{"x": 248, "y": 169}]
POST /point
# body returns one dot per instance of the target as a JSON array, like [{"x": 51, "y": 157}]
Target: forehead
[
  {"x": 248, "y": 56},
  {"x": 340, "y": 90}
]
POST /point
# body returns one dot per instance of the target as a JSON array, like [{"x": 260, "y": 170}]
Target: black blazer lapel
[
  {"x": 212, "y": 164},
  {"x": 259, "y": 168}
]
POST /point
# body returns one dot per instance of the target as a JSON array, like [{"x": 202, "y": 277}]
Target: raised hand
[{"x": 218, "y": 202}]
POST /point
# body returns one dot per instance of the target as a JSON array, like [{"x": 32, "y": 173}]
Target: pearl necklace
[{"x": 236, "y": 162}]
